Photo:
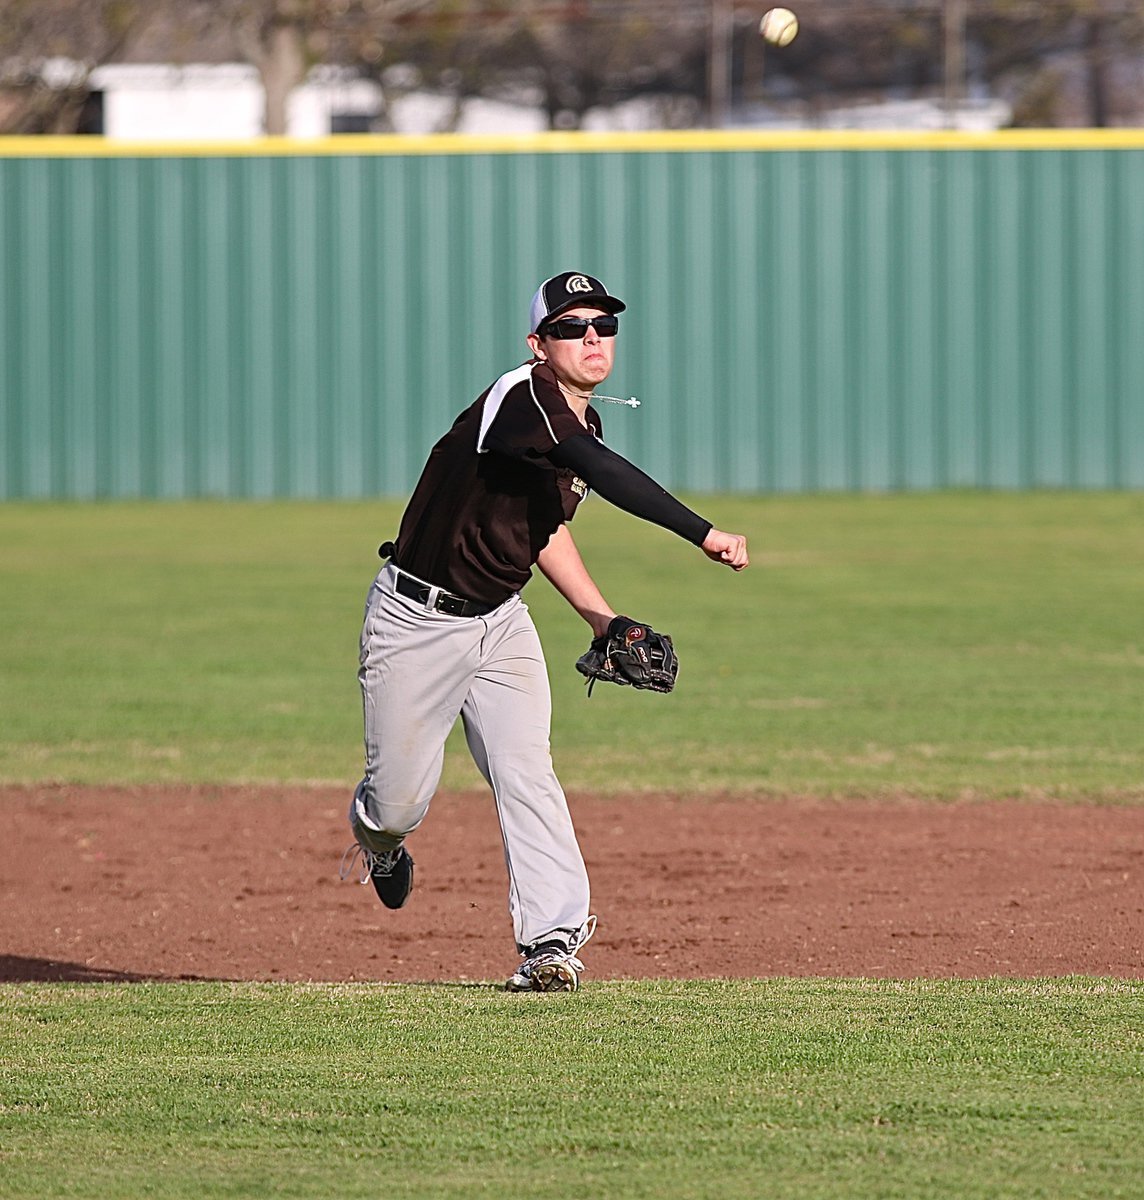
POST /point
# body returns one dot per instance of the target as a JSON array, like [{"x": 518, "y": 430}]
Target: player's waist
[{"x": 438, "y": 599}]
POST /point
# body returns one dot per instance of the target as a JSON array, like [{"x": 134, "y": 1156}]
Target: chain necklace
[{"x": 630, "y": 402}]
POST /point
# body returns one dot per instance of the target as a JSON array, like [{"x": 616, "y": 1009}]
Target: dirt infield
[{"x": 241, "y": 883}]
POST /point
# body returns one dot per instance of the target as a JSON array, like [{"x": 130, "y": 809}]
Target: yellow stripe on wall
[{"x": 578, "y": 143}]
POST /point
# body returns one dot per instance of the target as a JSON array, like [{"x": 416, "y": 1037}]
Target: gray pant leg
[
  {"x": 416, "y": 669},
  {"x": 507, "y": 717},
  {"x": 419, "y": 671}
]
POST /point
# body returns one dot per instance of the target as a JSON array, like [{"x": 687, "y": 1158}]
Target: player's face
[{"x": 583, "y": 363}]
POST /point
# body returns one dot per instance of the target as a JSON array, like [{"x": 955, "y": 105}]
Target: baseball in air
[{"x": 779, "y": 26}]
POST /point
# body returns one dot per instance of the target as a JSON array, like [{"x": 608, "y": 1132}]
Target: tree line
[{"x": 1078, "y": 62}]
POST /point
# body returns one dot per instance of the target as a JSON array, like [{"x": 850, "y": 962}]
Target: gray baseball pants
[{"x": 420, "y": 669}]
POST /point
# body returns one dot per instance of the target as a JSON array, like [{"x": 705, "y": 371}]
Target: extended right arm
[{"x": 623, "y": 484}]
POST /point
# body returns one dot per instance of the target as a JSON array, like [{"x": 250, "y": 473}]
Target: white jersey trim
[
  {"x": 547, "y": 422},
  {"x": 495, "y": 399}
]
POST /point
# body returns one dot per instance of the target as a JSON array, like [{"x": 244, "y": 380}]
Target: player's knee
[
  {"x": 382, "y": 825},
  {"x": 533, "y": 777}
]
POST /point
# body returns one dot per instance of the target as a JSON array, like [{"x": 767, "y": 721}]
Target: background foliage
[{"x": 1062, "y": 62}]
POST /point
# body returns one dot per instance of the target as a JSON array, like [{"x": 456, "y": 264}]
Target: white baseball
[{"x": 779, "y": 26}]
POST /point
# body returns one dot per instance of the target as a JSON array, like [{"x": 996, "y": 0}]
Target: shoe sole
[{"x": 551, "y": 977}]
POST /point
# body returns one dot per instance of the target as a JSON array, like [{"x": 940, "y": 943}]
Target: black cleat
[
  {"x": 392, "y": 877},
  {"x": 390, "y": 872}
]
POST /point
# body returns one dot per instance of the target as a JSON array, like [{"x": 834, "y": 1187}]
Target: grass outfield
[
  {"x": 731, "y": 1089},
  {"x": 941, "y": 645}
]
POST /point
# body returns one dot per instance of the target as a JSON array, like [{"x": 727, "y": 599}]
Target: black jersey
[{"x": 489, "y": 499}]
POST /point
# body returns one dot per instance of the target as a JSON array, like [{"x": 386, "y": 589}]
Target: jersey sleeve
[
  {"x": 528, "y": 416},
  {"x": 623, "y": 484}
]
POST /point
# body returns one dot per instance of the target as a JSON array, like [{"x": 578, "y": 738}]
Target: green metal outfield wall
[{"x": 806, "y": 312}]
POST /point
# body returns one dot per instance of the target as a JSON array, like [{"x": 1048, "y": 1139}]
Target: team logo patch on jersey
[
  {"x": 579, "y": 486},
  {"x": 577, "y": 283}
]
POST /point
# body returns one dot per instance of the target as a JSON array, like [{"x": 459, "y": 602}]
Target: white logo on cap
[{"x": 577, "y": 283}]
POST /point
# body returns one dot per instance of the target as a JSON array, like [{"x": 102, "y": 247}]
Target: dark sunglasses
[{"x": 573, "y": 329}]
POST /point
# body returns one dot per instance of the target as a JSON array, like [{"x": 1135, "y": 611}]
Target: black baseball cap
[{"x": 567, "y": 290}]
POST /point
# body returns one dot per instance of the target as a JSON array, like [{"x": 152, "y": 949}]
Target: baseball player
[{"x": 446, "y": 632}]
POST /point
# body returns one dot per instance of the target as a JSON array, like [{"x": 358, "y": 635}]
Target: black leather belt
[{"x": 455, "y": 606}]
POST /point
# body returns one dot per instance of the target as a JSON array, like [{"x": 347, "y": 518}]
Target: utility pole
[
  {"x": 953, "y": 36},
  {"x": 1096, "y": 67},
  {"x": 722, "y": 21}
]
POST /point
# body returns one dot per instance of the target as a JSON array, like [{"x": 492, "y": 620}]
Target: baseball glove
[{"x": 632, "y": 655}]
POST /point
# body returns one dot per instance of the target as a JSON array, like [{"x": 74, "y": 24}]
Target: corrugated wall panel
[
  {"x": 827, "y": 314},
  {"x": 1128, "y": 292}
]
